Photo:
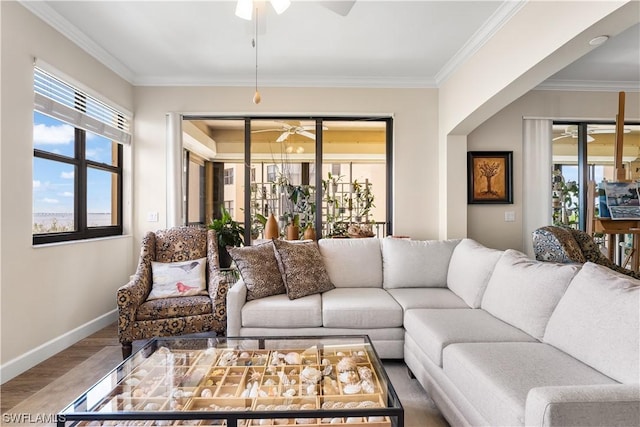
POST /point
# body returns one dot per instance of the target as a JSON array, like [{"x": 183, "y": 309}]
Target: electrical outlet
[
  {"x": 152, "y": 217},
  {"x": 509, "y": 216}
]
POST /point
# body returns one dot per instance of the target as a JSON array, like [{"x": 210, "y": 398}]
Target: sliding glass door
[
  {"x": 584, "y": 152},
  {"x": 332, "y": 174}
]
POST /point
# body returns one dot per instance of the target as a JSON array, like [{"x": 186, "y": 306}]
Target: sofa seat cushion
[
  {"x": 496, "y": 377},
  {"x": 278, "y": 311},
  {"x": 524, "y": 292},
  {"x": 435, "y": 329},
  {"x": 344, "y": 258},
  {"x": 415, "y": 263},
  {"x": 360, "y": 308},
  {"x": 410, "y": 298},
  {"x": 598, "y": 322},
  {"x": 164, "y": 308}
]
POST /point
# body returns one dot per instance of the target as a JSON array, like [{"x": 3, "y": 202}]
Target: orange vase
[
  {"x": 293, "y": 232},
  {"x": 309, "y": 233},
  {"x": 271, "y": 230}
]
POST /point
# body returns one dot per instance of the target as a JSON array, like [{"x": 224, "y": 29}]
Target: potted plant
[{"x": 230, "y": 233}]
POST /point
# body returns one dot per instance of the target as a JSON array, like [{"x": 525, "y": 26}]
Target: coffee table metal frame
[{"x": 81, "y": 409}]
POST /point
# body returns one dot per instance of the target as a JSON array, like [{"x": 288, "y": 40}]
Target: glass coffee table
[{"x": 243, "y": 382}]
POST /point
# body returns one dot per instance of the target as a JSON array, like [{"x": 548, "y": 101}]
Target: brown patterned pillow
[
  {"x": 259, "y": 270},
  {"x": 302, "y": 267}
]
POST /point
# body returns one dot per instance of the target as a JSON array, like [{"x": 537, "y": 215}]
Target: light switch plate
[
  {"x": 509, "y": 216},
  {"x": 152, "y": 217}
]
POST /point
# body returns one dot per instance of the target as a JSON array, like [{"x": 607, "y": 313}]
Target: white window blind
[{"x": 74, "y": 106}]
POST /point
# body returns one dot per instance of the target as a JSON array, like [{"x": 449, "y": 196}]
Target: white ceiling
[{"x": 378, "y": 44}]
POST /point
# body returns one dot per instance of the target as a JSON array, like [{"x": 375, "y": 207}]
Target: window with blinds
[{"x": 77, "y": 162}]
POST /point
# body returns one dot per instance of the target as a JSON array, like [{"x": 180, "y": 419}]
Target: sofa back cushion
[
  {"x": 353, "y": 263},
  {"x": 597, "y": 321},
  {"x": 416, "y": 263},
  {"x": 524, "y": 292},
  {"x": 470, "y": 269}
]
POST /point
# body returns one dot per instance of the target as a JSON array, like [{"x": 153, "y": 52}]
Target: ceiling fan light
[
  {"x": 244, "y": 9},
  {"x": 280, "y": 5}
]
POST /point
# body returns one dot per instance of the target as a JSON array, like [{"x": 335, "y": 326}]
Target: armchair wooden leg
[{"x": 127, "y": 348}]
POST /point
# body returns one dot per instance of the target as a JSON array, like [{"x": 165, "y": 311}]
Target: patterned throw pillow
[
  {"x": 302, "y": 268},
  {"x": 178, "y": 279},
  {"x": 259, "y": 270}
]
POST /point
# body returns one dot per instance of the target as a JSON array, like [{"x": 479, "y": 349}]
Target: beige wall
[
  {"x": 415, "y": 164},
  {"x": 47, "y": 292},
  {"x": 504, "y": 130}
]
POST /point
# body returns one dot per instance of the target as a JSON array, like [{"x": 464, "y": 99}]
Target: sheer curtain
[
  {"x": 536, "y": 182},
  {"x": 175, "y": 190}
]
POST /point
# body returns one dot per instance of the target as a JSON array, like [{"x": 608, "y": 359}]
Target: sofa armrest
[
  {"x": 236, "y": 299},
  {"x": 588, "y": 405}
]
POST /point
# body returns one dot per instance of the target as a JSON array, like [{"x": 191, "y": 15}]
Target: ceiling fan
[
  {"x": 288, "y": 130},
  {"x": 245, "y": 8},
  {"x": 571, "y": 131}
]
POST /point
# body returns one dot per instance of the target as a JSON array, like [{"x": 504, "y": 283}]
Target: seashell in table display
[
  {"x": 281, "y": 421},
  {"x": 289, "y": 392},
  {"x": 348, "y": 377},
  {"x": 336, "y": 420},
  {"x": 311, "y": 390},
  {"x": 310, "y": 375},
  {"x": 305, "y": 420},
  {"x": 265, "y": 422},
  {"x": 367, "y": 386},
  {"x": 346, "y": 364},
  {"x": 293, "y": 358},
  {"x": 352, "y": 388},
  {"x": 365, "y": 372},
  {"x": 368, "y": 404},
  {"x": 353, "y": 420},
  {"x": 206, "y": 393},
  {"x": 375, "y": 419},
  {"x": 329, "y": 386}
]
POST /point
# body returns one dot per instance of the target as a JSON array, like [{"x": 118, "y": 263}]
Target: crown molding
[
  {"x": 43, "y": 11},
  {"x": 495, "y": 22},
  {"x": 391, "y": 82},
  {"x": 589, "y": 85}
]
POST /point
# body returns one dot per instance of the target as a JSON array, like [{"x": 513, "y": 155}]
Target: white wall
[
  {"x": 415, "y": 161},
  {"x": 504, "y": 130},
  {"x": 51, "y": 295}
]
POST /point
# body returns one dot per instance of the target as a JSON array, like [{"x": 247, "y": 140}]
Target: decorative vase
[
  {"x": 271, "y": 230},
  {"x": 309, "y": 233},
  {"x": 293, "y": 232}
]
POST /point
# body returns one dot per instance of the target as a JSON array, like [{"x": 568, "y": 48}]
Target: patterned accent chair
[
  {"x": 141, "y": 319},
  {"x": 568, "y": 245}
]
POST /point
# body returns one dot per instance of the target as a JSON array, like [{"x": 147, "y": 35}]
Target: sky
[{"x": 53, "y": 182}]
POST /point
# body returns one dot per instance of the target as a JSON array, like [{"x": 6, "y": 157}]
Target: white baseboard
[{"x": 31, "y": 358}]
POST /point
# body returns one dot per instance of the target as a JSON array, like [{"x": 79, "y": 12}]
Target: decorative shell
[
  {"x": 310, "y": 375},
  {"x": 367, "y": 386},
  {"x": 376, "y": 419},
  {"x": 354, "y": 420},
  {"x": 365, "y": 373},
  {"x": 348, "y": 377},
  {"x": 305, "y": 420},
  {"x": 293, "y": 358},
  {"x": 206, "y": 393},
  {"x": 352, "y": 388},
  {"x": 346, "y": 364}
]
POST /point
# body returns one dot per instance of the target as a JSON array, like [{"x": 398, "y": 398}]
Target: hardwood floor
[{"x": 24, "y": 385}]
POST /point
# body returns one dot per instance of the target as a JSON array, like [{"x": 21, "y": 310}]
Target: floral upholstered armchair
[
  {"x": 143, "y": 318},
  {"x": 568, "y": 245}
]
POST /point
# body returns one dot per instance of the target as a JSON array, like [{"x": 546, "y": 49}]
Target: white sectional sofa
[{"x": 494, "y": 337}]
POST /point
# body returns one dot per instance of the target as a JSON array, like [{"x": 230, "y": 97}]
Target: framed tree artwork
[{"x": 490, "y": 177}]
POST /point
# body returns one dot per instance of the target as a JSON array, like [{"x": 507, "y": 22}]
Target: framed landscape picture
[{"x": 489, "y": 177}]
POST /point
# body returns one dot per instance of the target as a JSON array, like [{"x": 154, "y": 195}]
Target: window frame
[{"x": 81, "y": 166}]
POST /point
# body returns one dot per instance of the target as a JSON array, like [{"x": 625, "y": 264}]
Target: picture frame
[{"x": 490, "y": 177}]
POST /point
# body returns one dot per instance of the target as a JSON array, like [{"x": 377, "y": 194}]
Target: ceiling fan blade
[
  {"x": 307, "y": 134},
  {"x": 560, "y": 137},
  {"x": 266, "y": 130},
  {"x": 283, "y": 136},
  {"x": 342, "y": 8}
]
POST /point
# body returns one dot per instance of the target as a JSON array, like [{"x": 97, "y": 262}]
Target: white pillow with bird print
[{"x": 178, "y": 279}]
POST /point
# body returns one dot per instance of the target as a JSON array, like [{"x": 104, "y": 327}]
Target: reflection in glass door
[{"x": 329, "y": 175}]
